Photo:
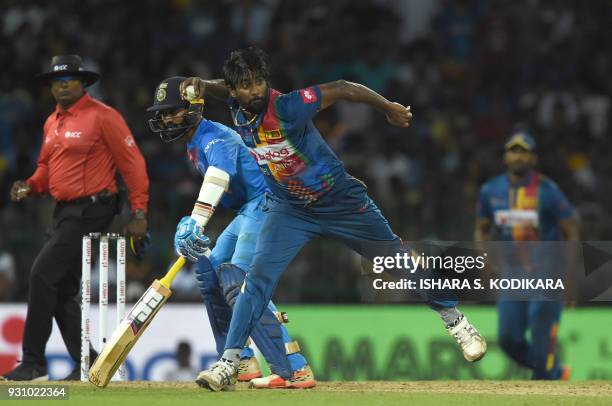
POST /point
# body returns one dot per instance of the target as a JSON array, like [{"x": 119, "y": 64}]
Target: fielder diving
[
  {"x": 311, "y": 194},
  {"x": 231, "y": 178}
]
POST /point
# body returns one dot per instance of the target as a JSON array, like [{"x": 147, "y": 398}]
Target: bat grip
[{"x": 166, "y": 281}]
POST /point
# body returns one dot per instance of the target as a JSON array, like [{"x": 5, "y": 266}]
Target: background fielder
[{"x": 506, "y": 202}]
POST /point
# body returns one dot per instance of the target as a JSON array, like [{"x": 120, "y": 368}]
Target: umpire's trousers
[{"x": 56, "y": 275}]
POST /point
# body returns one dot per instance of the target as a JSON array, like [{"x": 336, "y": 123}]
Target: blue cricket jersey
[
  {"x": 298, "y": 165},
  {"x": 214, "y": 144},
  {"x": 527, "y": 211}
]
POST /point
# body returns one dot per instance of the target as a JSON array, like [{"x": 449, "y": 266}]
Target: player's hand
[
  {"x": 137, "y": 226},
  {"x": 398, "y": 115},
  {"x": 20, "y": 190},
  {"x": 189, "y": 240},
  {"x": 199, "y": 88}
]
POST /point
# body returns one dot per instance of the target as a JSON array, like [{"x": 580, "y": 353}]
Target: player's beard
[
  {"x": 520, "y": 170},
  {"x": 257, "y": 105}
]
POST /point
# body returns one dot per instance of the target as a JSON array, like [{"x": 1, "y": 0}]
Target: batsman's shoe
[
  {"x": 221, "y": 376},
  {"x": 472, "y": 344},
  {"x": 302, "y": 379},
  {"x": 248, "y": 369},
  {"x": 26, "y": 372}
]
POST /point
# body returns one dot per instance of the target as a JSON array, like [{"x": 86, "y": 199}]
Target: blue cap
[{"x": 520, "y": 139}]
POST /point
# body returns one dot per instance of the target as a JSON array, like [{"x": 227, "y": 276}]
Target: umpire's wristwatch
[{"x": 139, "y": 214}]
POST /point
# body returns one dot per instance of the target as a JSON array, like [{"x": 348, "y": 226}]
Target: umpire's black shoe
[{"x": 26, "y": 372}]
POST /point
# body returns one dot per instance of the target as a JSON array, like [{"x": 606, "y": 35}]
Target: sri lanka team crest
[{"x": 273, "y": 135}]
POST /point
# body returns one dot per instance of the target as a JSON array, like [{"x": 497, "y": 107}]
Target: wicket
[{"x": 103, "y": 295}]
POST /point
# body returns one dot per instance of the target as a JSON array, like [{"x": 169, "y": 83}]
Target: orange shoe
[
  {"x": 248, "y": 369},
  {"x": 302, "y": 379},
  {"x": 566, "y": 373}
]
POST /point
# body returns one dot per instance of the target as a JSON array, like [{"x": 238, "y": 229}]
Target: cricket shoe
[
  {"x": 248, "y": 369},
  {"x": 26, "y": 372},
  {"x": 221, "y": 376},
  {"x": 472, "y": 344},
  {"x": 302, "y": 379}
]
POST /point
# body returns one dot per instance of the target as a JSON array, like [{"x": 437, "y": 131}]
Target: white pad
[{"x": 216, "y": 183}]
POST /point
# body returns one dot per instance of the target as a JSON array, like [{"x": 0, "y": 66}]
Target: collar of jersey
[
  {"x": 199, "y": 133},
  {"x": 524, "y": 180},
  {"x": 74, "y": 109},
  {"x": 256, "y": 123}
]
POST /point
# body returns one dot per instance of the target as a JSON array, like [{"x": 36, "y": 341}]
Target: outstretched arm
[
  {"x": 203, "y": 88},
  {"x": 343, "y": 90}
]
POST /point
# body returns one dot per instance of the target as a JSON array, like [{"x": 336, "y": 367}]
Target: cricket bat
[{"x": 131, "y": 328}]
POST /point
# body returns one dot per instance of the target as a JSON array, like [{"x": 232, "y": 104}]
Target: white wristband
[{"x": 216, "y": 183}]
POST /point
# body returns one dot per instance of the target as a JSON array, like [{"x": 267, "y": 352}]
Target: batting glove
[{"x": 189, "y": 240}]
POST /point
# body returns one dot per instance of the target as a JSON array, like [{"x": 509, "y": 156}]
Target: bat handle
[{"x": 167, "y": 280}]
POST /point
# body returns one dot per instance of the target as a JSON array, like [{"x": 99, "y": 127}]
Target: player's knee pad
[
  {"x": 219, "y": 313},
  {"x": 205, "y": 275},
  {"x": 231, "y": 279}
]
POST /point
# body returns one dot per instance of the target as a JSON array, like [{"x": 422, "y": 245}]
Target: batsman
[
  {"x": 232, "y": 179},
  {"x": 311, "y": 193}
]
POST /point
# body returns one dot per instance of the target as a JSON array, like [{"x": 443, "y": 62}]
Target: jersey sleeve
[
  {"x": 222, "y": 154},
  {"x": 483, "y": 208},
  {"x": 127, "y": 158},
  {"x": 39, "y": 181},
  {"x": 299, "y": 106},
  {"x": 558, "y": 204}
]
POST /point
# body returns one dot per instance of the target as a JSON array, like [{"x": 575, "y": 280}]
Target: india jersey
[
  {"x": 214, "y": 144},
  {"x": 528, "y": 211},
  {"x": 298, "y": 165}
]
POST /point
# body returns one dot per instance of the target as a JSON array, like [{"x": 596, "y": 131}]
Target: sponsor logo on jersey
[
  {"x": 129, "y": 141},
  {"x": 211, "y": 143},
  {"x": 512, "y": 218},
  {"x": 281, "y": 160},
  {"x": 274, "y": 153},
  {"x": 72, "y": 134}
]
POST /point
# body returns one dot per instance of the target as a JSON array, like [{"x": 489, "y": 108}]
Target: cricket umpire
[{"x": 84, "y": 143}]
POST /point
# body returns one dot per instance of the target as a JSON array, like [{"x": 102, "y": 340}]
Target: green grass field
[{"x": 436, "y": 393}]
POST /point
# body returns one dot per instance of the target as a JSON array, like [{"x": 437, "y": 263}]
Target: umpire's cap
[
  {"x": 69, "y": 65},
  {"x": 168, "y": 96},
  {"x": 520, "y": 139}
]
